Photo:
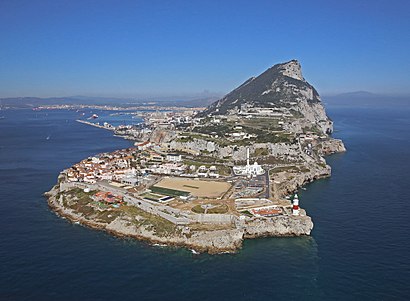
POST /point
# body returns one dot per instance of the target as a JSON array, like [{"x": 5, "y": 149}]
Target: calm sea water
[
  {"x": 359, "y": 249},
  {"x": 114, "y": 118}
]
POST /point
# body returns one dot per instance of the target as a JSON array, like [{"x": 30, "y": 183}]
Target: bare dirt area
[{"x": 198, "y": 188}]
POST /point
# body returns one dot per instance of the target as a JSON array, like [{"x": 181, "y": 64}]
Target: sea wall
[{"x": 214, "y": 218}]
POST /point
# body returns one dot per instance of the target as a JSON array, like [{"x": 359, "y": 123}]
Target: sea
[{"x": 359, "y": 248}]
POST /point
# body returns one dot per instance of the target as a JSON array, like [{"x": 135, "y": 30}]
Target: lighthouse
[{"x": 295, "y": 208}]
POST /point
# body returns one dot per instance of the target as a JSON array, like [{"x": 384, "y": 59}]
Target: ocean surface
[
  {"x": 115, "y": 118},
  {"x": 359, "y": 248}
]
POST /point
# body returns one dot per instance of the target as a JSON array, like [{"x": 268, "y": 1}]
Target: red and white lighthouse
[{"x": 295, "y": 208}]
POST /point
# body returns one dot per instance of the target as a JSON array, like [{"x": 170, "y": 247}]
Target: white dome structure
[{"x": 249, "y": 170}]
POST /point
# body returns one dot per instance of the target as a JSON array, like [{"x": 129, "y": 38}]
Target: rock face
[
  {"x": 237, "y": 153},
  {"x": 210, "y": 241},
  {"x": 332, "y": 146},
  {"x": 291, "y": 182},
  {"x": 281, "y": 87},
  {"x": 280, "y": 226},
  {"x": 228, "y": 240}
]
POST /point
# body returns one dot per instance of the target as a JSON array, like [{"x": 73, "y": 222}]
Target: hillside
[{"x": 280, "y": 90}]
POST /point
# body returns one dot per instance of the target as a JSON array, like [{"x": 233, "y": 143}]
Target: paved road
[{"x": 267, "y": 185}]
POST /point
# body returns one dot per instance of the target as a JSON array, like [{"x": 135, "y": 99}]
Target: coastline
[
  {"x": 199, "y": 236},
  {"x": 168, "y": 188},
  {"x": 202, "y": 241}
]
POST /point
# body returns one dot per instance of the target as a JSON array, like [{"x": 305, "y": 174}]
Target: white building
[
  {"x": 249, "y": 170},
  {"x": 174, "y": 158},
  {"x": 169, "y": 169}
]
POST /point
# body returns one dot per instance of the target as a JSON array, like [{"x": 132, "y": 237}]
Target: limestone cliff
[
  {"x": 281, "y": 87},
  {"x": 137, "y": 225},
  {"x": 280, "y": 226}
]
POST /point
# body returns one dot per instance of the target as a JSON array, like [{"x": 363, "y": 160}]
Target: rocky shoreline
[
  {"x": 228, "y": 240},
  {"x": 224, "y": 238},
  {"x": 276, "y": 118}
]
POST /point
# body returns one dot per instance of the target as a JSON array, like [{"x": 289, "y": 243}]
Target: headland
[{"x": 208, "y": 179}]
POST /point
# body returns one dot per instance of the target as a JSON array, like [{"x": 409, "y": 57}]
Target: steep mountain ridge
[{"x": 281, "y": 88}]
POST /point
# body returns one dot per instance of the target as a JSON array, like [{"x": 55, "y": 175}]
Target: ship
[{"x": 94, "y": 116}]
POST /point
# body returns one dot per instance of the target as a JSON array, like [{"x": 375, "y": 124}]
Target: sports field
[{"x": 198, "y": 188}]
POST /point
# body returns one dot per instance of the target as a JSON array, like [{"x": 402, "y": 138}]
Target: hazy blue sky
[{"x": 127, "y": 48}]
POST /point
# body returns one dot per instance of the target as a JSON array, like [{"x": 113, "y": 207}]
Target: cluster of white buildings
[
  {"x": 168, "y": 169},
  {"x": 167, "y": 120},
  {"x": 205, "y": 172},
  {"x": 130, "y": 166},
  {"x": 249, "y": 111},
  {"x": 241, "y": 135},
  {"x": 179, "y": 169},
  {"x": 115, "y": 166}
]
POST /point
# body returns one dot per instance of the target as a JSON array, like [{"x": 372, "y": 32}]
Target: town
[
  {"x": 212, "y": 174},
  {"x": 147, "y": 173}
]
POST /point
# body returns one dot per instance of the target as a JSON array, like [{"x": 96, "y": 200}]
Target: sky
[{"x": 164, "y": 48}]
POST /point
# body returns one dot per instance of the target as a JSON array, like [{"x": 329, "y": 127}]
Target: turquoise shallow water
[{"x": 359, "y": 249}]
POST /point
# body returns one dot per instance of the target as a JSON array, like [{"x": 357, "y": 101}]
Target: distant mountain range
[
  {"x": 364, "y": 98},
  {"x": 204, "y": 99},
  {"x": 200, "y": 100}
]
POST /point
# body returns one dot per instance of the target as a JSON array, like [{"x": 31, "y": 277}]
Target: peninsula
[{"x": 208, "y": 179}]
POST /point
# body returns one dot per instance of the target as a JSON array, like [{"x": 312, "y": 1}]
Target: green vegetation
[
  {"x": 289, "y": 168},
  {"x": 266, "y": 137},
  {"x": 83, "y": 204},
  {"x": 296, "y": 114},
  {"x": 303, "y": 169},
  {"x": 209, "y": 227},
  {"x": 267, "y": 129},
  {"x": 195, "y": 163},
  {"x": 261, "y": 152},
  {"x": 265, "y": 123},
  {"x": 159, "y": 225},
  {"x": 184, "y": 139},
  {"x": 272, "y": 160},
  {"x": 151, "y": 196},
  {"x": 247, "y": 213},
  {"x": 220, "y": 129},
  {"x": 215, "y": 210},
  {"x": 191, "y": 136},
  {"x": 222, "y": 169},
  {"x": 107, "y": 216},
  {"x": 312, "y": 129}
]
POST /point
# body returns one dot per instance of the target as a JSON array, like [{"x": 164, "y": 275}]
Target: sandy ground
[{"x": 198, "y": 188}]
